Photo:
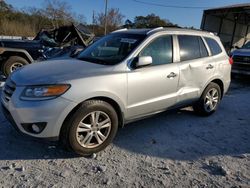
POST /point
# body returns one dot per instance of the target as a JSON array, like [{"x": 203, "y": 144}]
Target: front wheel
[
  {"x": 92, "y": 127},
  {"x": 209, "y": 101},
  {"x": 12, "y": 64}
]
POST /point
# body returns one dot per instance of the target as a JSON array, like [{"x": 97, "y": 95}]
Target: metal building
[{"x": 231, "y": 23}]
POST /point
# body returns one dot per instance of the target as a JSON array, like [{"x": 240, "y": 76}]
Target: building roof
[
  {"x": 239, "y": 12},
  {"x": 235, "y": 6}
]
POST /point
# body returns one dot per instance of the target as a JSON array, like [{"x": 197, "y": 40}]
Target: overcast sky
[{"x": 130, "y": 8}]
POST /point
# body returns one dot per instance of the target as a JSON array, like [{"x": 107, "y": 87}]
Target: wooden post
[
  {"x": 234, "y": 29},
  {"x": 106, "y": 9}
]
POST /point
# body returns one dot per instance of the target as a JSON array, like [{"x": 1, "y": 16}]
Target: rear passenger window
[
  {"x": 213, "y": 45},
  {"x": 160, "y": 49},
  {"x": 191, "y": 47},
  {"x": 203, "y": 49}
]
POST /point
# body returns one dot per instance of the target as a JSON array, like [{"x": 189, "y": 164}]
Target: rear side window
[
  {"x": 191, "y": 47},
  {"x": 213, "y": 45}
]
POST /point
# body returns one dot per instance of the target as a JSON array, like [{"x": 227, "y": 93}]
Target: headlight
[{"x": 44, "y": 92}]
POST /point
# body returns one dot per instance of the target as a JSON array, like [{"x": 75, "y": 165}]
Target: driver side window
[{"x": 160, "y": 49}]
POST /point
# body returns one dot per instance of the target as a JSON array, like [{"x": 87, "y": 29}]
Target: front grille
[
  {"x": 241, "y": 66},
  {"x": 8, "y": 89},
  {"x": 241, "y": 59}
]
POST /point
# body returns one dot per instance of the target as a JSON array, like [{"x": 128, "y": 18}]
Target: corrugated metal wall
[{"x": 230, "y": 32}]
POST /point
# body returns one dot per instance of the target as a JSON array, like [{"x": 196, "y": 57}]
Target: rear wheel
[
  {"x": 91, "y": 129},
  {"x": 12, "y": 64},
  {"x": 209, "y": 101}
]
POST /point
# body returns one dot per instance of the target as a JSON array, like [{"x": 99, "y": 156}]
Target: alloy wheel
[
  {"x": 211, "y": 100},
  {"x": 93, "y": 129}
]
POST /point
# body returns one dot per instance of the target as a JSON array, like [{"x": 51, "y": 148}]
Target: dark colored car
[
  {"x": 47, "y": 44},
  {"x": 241, "y": 57}
]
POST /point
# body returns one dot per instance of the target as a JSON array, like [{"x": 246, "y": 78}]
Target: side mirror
[{"x": 144, "y": 61}]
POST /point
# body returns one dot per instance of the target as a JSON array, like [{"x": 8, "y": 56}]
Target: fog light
[{"x": 35, "y": 128}]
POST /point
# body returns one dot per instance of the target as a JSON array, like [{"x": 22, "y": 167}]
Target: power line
[{"x": 170, "y": 6}]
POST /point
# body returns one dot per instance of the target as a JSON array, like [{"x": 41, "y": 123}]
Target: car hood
[
  {"x": 241, "y": 52},
  {"x": 23, "y": 44},
  {"x": 57, "y": 71}
]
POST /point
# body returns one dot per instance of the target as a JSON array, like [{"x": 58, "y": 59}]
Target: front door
[{"x": 153, "y": 88}]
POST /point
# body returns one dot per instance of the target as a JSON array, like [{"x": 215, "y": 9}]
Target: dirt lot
[{"x": 172, "y": 149}]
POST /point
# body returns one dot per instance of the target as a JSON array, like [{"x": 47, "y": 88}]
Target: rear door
[
  {"x": 153, "y": 88},
  {"x": 196, "y": 66}
]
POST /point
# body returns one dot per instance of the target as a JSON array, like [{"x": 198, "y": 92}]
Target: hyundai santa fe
[{"x": 124, "y": 76}]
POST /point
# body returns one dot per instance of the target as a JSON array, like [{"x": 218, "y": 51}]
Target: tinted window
[
  {"x": 191, "y": 47},
  {"x": 160, "y": 49},
  {"x": 214, "y": 46},
  {"x": 203, "y": 49}
]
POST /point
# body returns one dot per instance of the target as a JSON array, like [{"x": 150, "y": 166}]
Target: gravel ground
[{"x": 172, "y": 149}]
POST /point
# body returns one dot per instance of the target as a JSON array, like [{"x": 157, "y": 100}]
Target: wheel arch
[
  {"x": 109, "y": 100},
  {"x": 219, "y": 82},
  {"x": 221, "y": 85},
  {"x": 17, "y": 52}
]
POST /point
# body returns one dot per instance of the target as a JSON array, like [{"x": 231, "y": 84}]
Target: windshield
[
  {"x": 246, "y": 46},
  {"x": 111, "y": 49}
]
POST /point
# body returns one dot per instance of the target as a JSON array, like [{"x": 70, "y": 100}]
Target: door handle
[
  {"x": 209, "y": 66},
  {"x": 171, "y": 75}
]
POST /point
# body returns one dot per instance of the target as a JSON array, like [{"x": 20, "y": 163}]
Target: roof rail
[
  {"x": 155, "y": 29},
  {"x": 123, "y": 29},
  {"x": 213, "y": 33}
]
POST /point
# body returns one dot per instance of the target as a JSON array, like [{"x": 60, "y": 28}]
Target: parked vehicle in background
[
  {"x": 124, "y": 76},
  {"x": 47, "y": 44},
  {"x": 241, "y": 57}
]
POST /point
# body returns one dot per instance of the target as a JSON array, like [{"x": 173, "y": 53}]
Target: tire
[
  {"x": 77, "y": 141},
  {"x": 12, "y": 64},
  {"x": 207, "y": 105}
]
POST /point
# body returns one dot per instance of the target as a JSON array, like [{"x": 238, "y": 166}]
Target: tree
[
  {"x": 114, "y": 19},
  {"x": 37, "y": 18},
  {"x": 128, "y": 24},
  {"x": 78, "y": 18},
  {"x": 151, "y": 21},
  {"x": 59, "y": 12},
  {"x": 28, "y": 21},
  {"x": 5, "y": 7}
]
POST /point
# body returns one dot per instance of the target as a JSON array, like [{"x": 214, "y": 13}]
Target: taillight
[{"x": 231, "y": 61}]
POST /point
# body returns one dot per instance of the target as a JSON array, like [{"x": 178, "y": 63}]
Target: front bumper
[{"x": 53, "y": 112}]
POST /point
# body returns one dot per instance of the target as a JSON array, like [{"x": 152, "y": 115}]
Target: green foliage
[{"x": 150, "y": 21}]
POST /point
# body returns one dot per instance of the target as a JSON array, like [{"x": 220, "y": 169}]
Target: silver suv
[{"x": 122, "y": 77}]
